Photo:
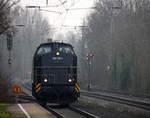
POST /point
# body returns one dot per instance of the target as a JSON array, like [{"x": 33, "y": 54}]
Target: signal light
[{"x": 90, "y": 55}]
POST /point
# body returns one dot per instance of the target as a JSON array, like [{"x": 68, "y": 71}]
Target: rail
[{"x": 122, "y": 100}]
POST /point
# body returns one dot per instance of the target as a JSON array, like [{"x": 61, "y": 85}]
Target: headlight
[
  {"x": 45, "y": 80},
  {"x": 70, "y": 80},
  {"x": 57, "y": 53}
]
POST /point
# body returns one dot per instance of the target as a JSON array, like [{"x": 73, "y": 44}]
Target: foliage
[
  {"x": 4, "y": 105},
  {"x": 118, "y": 35},
  {"x": 35, "y": 31},
  {"x": 31, "y": 29},
  {"x": 5, "y": 114},
  {"x": 5, "y": 17}
]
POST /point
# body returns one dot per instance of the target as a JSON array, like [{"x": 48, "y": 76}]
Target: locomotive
[{"x": 54, "y": 77}]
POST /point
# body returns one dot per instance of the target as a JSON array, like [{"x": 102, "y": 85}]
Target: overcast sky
[
  {"x": 71, "y": 17},
  {"x": 63, "y": 17}
]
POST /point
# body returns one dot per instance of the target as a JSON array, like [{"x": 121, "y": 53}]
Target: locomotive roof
[{"x": 56, "y": 43}]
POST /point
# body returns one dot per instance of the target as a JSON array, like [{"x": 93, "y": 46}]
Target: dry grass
[{"x": 5, "y": 89}]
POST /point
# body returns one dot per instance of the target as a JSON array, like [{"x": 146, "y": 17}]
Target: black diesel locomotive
[{"x": 55, "y": 74}]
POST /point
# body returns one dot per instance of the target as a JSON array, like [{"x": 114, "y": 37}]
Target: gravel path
[{"x": 106, "y": 109}]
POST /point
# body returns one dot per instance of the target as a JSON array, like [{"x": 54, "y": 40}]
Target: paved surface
[
  {"x": 15, "y": 110},
  {"x": 36, "y": 111}
]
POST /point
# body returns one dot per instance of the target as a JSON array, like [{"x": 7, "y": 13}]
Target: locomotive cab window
[
  {"x": 66, "y": 49},
  {"x": 44, "y": 50}
]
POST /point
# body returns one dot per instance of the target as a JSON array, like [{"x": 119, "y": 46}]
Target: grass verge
[{"x": 6, "y": 114}]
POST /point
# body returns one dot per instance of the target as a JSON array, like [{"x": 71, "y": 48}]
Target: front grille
[
  {"x": 50, "y": 77},
  {"x": 55, "y": 75}
]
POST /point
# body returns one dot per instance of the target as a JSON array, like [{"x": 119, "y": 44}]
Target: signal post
[{"x": 89, "y": 58}]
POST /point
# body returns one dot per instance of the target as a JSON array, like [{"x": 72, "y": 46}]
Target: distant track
[
  {"x": 24, "y": 98},
  {"x": 121, "y": 100},
  {"x": 123, "y": 93}
]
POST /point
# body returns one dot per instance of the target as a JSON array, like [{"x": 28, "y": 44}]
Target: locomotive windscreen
[
  {"x": 66, "y": 49},
  {"x": 48, "y": 48}
]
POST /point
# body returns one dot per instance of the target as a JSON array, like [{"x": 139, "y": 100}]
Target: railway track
[
  {"x": 24, "y": 98},
  {"x": 59, "y": 111},
  {"x": 144, "y": 96},
  {"x": 69, "y": 112},
  {"x": 122, "y": 100},
  {"x": 75, "y": 112}
]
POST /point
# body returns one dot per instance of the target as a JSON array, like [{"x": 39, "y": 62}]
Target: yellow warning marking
[
  {"x": 78, "y": 87},
  {"x": 37, "y": 86},
  {"x": 37, "y": 90}
]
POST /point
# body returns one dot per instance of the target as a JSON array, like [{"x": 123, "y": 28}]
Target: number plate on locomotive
[{"x": 57, "y": 58}]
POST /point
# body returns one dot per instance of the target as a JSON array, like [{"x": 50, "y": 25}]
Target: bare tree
[
  {"x": 5, "y": 26},
  {"x": 118, "y": 35},
  {"x": 5, "y": 18},
  {"x": 35, "y": 31}
]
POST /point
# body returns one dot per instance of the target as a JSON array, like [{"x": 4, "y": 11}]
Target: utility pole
[
  {"x": 9, "y": 35},
  {"x": 9, "y": 46},
  {"x": 46, "y": 2},
  {"x": 113, "y": 55}
]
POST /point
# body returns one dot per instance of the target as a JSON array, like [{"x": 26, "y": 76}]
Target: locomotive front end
[{"x": 55, "y": 74}]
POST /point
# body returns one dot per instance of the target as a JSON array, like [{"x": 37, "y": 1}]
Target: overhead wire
[
  {"x": 61, "y": 14},
  {"x": 67, "y": 10},
  {"x": 83, "y": 8},
  {"x": 50, "y": 11},
  {"x": 70, "y": 8},
  {"x": 62, "y": 3}
]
